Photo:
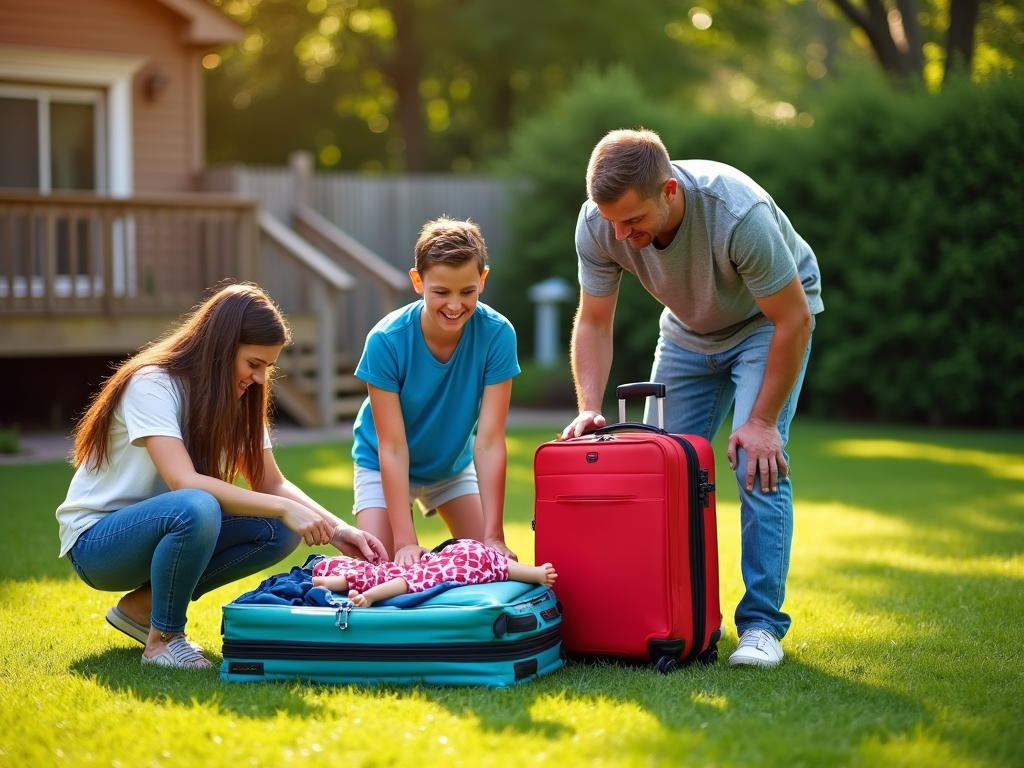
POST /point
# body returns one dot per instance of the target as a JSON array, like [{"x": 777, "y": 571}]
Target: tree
[
  {"x": 907, "y": 35},
  {"x": 437, "y": 84}
]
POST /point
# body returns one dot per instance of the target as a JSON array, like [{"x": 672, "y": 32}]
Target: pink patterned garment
[{"x": 465, "y": 562}]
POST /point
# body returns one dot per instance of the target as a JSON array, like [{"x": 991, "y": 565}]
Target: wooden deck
[{"x": 84, "y": 274}]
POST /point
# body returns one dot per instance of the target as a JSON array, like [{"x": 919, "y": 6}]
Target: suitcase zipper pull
[{"x": 341, "y": 617}]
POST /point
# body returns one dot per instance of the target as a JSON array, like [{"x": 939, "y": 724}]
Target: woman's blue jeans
[
  {"x": 182, "y": 545},
  {"x": 700, "y": 390}
]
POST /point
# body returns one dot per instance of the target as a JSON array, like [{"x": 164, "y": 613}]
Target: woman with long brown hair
[{"x": 153, "y": 507}]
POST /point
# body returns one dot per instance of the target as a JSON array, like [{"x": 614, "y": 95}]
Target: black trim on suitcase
[
  {"x": 508, "y": 651},
  {"x": 505, "y": 624},
  {"x": 245, "y": 668},
  {"x": 698, "y": 565},
  {"x": 526, "y": 668}
]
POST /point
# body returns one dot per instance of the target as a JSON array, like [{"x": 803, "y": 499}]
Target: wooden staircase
[
  {"x": 343, "y": 290},
  {"x": 295, "y": 385}
]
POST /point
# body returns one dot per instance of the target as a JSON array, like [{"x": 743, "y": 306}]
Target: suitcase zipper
[
  {"x": 697, "y": 479},
  {"x": 397, "y": 652}
]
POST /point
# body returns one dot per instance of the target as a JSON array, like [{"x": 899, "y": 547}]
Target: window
[{"x": 51, "y": 139}]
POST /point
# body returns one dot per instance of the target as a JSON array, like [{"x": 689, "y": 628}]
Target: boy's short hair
[
  {"x": 450, "y": 241},
  {"x": 625, "y": 160}
]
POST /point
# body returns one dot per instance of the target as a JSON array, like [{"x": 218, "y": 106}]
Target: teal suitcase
[{"x": 494, "y": 635}]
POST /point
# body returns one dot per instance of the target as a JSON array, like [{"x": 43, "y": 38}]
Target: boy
[{"x": 439, "y": 376}]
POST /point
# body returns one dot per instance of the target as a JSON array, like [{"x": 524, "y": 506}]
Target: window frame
[{"x": 57, "y": 70}]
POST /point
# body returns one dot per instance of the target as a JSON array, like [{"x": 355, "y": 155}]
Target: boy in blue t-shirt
[{"x": 439, "y": 375}]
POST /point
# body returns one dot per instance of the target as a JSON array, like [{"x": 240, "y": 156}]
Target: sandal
[
  {"x": 119, "y": 621},
  {"x": 179, "y": 654}
]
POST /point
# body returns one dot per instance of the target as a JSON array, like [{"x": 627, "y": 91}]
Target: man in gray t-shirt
[{"x": 740, "y": 289}]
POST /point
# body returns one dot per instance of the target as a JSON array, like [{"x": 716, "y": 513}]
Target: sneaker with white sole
[
  {"x": 178, "y": 654},
  {"x": 136, "y": 631},
  {"x": 758, "y": 648}
]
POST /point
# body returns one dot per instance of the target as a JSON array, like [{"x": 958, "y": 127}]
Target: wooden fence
[{"x": 382, "y": 212}]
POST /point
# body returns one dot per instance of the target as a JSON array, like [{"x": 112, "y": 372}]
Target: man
[{"x": 740, "y": 289}]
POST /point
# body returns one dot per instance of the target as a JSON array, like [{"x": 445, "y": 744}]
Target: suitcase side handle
[{"x": 641, "y": 389}]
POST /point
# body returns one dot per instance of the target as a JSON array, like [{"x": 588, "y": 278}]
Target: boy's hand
[
  {"x": 499, "y": 544},
  {"x": 409, "y": 554}
]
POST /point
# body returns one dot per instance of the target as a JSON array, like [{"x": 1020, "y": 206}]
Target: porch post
[{"x": 327, "y": 368}]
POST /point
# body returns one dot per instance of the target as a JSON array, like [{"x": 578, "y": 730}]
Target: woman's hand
[
  {"x": 368, "y": 545},
  {"x": 410, "y": 553},
  {"x": 499, "y": 544},
  {"x": 308, "y": 524}
]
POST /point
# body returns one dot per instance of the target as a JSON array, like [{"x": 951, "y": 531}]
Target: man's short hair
[
  {"x": 625, "y": 160},
  {"x": 450, "y": 241}
]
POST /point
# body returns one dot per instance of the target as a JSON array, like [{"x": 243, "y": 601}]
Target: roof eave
[{"x": 207, "y": 26}]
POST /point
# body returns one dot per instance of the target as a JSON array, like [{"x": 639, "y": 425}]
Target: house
[{"x": 106, "y": 234}]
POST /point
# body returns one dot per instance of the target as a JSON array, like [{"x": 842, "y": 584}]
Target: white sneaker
[{"x": 758, "y": 648}]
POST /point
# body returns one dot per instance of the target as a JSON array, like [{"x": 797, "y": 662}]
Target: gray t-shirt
[{"x": 733, "y": 245}]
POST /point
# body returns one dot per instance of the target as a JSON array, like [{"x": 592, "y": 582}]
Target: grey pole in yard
[{"x": 547, "y": 295}]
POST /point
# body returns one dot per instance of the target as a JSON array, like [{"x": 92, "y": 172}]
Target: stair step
[
  {"x": 344, "y": 384},
  {"x": 347, "y": 406}
]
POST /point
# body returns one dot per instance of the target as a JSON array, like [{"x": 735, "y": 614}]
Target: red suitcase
[{"x": 627, "y": 516}]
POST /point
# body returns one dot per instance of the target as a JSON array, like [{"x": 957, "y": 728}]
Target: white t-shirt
[{"x": 153, "y": 404}]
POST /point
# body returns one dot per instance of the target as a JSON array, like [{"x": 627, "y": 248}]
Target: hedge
[{"x": 913, "y": 203}]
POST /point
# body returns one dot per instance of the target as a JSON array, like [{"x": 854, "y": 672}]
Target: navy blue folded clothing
[
  {"x": 292, "y": 588},
  {"x": 296, "y": 588}
]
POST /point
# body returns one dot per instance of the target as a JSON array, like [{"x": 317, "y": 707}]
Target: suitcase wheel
[
  {"x": 666, "y": 665},
  {"x": 710, "y": 656}
]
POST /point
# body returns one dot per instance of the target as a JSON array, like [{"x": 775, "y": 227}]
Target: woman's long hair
[{"x": 223, "y": 433}]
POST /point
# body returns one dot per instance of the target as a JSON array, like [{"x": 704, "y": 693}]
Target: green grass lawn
[{"x": 907, "y": 646}]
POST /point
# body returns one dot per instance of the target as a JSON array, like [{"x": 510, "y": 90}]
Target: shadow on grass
[
  {"x": 699, "y": 714},
  {"x": 696, "y": 711},
  {"x": 120, "y": 670}
]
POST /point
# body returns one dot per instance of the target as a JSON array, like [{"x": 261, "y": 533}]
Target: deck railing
[{"x": 87, "y": 254}]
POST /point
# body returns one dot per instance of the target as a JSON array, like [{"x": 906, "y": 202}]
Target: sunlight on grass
[
  {"x": 582, "y": 720},
  {"x": 519, "y": 474},
  {"x": 917, "y": 750},
  {"x": 836, "y": 526},
  {"x": 721, "y": 703},
  {"x": 337, "y": 476},
  {"x": 1002, "y": 465},
  {"x": 905, "y": 592}
]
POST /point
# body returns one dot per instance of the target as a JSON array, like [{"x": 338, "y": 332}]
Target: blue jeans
[
  {"x": 700, "y": 390},
  {"x": 182, "y": 545}
]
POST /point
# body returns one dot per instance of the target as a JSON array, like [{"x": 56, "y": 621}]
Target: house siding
[{"x": 168, "y": 146}]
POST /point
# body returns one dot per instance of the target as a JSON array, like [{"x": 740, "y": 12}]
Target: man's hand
[
  {"x": 410, "y": 553},
  {"x": 763, "y": 445},
  {"x": 347, "y": 538},
  {"x": 586, "y": 422},
  {"x": 499, "y": 544}
]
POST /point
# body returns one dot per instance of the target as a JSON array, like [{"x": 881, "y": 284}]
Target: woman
[{"x": 153, "y": 507}]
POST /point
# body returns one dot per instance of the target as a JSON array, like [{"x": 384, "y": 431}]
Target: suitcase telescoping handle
[{"x": 653, "y": 389}]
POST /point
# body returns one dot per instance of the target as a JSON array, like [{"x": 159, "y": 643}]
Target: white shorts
[{"x": 369, "y": 490}]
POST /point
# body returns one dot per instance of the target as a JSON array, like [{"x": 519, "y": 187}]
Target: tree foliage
[
  {"x": 437, "y": 84},
  {"x": 931, "y": 39}
]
